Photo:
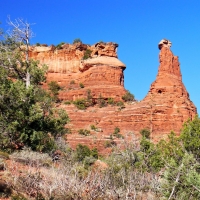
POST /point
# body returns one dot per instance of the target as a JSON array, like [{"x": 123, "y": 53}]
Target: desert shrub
[
  {"x": 28, "y": 156},
  {"x": 171, "y": 148},
  {"x": 90, "y": 102},
  {"x": 145, "y": 133},
  {"x": 68, "y": 131},
  {"x": 94, "y": 153},
  {"x": 88, "y": 161},
  {"x": 4, "y": 155},
  {"x": 72, "y": 82},
  {"x": 116, "y": 133},
  {"x": 93, "y": 127},
  {"x": 102, "y": 42},
  {"x": 77, "y": 40},
  {"x": 89, "y": 95},
  {"x": 190, "y": 136},
  {"x": 82, "y": 151},
  {"x": 110, "y": 143},
  {"x": 38, "y": 44},
  {"x": 67, "y": 102},
  {"x": 101, "y": 101},
  {"x": 152, "y": 158},
  {"x": 81, "y": 175},
  {"x": 120, "y": 104},
  {"x": 81, "y": 85},
  {"x": 62, "y": 145},
  {"x": 80, "y": 104},
  {"x": 84, "y": 132},
  {"x": 145, "y": 145},
  {"x": 128, "y": 97},
  {"x": 123, "y": 173},
  {"x": 87, "y": 54},
  {"x": 59, "y": 46},
  {"x": 111, "y": 101},
  {"x": 18, "y": 197},
  {"x": 54, "y": 87}
]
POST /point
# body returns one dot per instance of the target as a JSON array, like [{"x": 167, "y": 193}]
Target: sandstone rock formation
[
  {"x": 165, "y": 108},
  {"x": 102, "y": 72}
]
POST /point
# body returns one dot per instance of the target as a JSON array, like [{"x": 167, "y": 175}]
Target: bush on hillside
[
  {"x": 128, "y": 97},
  {"x": 84, "y": 132},
  {"x": 87, "y": 54},
  {"x": 77, "y": 40},
  {"x": 80, "y": 104}
]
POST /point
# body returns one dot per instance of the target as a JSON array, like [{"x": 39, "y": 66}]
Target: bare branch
[
  {"x": 20, "y": 30},
  {"x": 21, "y": 33},
  {"x": 176, "y": 181}
]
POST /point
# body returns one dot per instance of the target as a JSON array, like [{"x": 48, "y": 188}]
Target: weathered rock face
[
  {"x": 168, "y": 96},
  {"x": 165, "y": 108},
  {"x": 102, "y": 72}
]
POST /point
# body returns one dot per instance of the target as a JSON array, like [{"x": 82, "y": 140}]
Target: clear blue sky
[{"x": 136, "y": 25}]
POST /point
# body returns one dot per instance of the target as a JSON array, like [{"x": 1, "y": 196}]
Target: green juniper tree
[
  {"x": 180, "y": 164},
  {"x": 190, "y": 137},
  {"x": 27, "y": 113}
]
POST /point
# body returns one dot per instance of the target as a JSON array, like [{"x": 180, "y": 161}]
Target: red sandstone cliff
[
  {"x": 102, "y": 72},
  {"x": 165, "y": 108}
]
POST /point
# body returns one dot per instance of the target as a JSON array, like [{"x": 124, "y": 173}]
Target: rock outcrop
[
  {"x": 165, "y": 108},
  {"x": 94, "y": 67},
  {"x": 168, "y": 98}
]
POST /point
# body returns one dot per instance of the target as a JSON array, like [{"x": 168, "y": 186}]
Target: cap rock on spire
[{"x": 164, "y": 43}]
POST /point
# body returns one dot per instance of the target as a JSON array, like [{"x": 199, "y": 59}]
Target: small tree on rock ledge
[{"x": 128, "y": 97}]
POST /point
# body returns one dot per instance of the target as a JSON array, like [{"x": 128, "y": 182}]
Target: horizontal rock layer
[
  {"x": 165, "y": 108},
  {"x": 102, "y": 72}
]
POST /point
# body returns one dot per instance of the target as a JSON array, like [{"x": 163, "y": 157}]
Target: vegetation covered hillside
[{"x": 167, "y": 170}]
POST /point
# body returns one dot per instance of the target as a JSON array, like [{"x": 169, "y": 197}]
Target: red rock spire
[
  {"x": 168, "y": 92},
  {"x": 169, "y": 63}
]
